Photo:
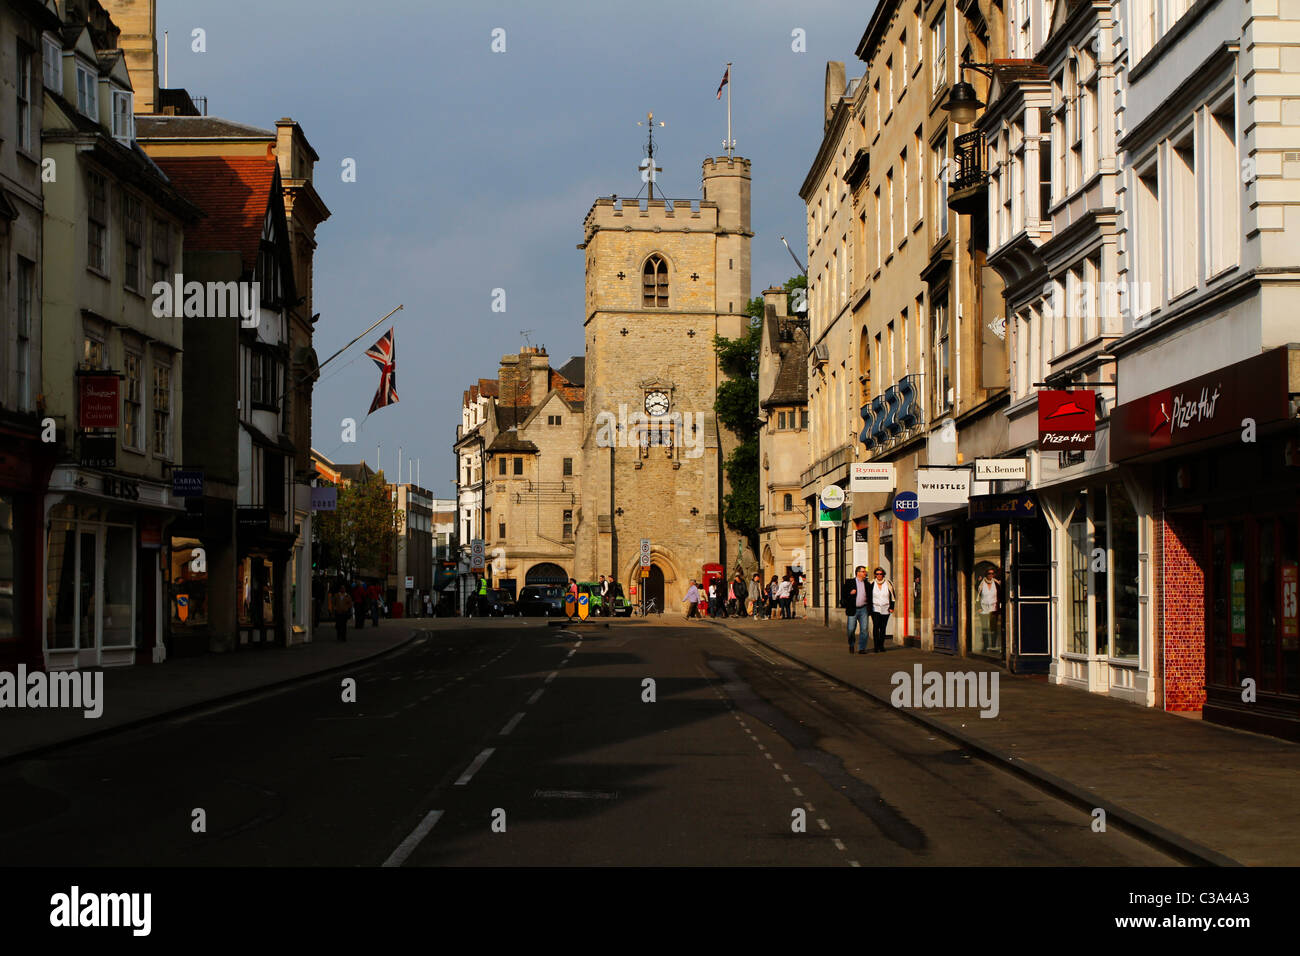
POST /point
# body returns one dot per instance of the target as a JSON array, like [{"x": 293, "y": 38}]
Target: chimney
[{"x": 834, "y": 87}]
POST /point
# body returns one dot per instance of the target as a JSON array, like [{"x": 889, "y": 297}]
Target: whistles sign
[
  {"x": 1067, "y": 421},
  {"x": 99, "y": 402}
]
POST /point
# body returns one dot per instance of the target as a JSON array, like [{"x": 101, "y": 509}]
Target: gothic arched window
[{"x": 654, "y": 283}]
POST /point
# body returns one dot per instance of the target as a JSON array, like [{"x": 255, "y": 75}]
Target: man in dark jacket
[{"x": 855, "y": 598}]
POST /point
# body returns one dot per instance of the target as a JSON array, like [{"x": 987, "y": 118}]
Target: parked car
[
  {"x": 592, "y": 590},
  {"x": 496, "y": 603},
  {"x": 541, "y": 600}
]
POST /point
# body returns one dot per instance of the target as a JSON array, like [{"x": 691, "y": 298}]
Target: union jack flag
[{"x": 384, "y": 352}]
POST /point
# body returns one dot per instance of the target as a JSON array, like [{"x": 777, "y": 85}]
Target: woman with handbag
[{"x": 882, "y": 605}]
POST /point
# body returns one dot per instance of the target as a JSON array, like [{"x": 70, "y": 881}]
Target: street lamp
[{"x": 962, "y": 102}]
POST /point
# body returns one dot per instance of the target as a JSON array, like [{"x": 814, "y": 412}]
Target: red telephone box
[{"x": 711, "y": 573}]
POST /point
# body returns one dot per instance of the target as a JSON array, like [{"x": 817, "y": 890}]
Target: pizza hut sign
[
  {"x": 99, "y": 401},
  {"x": 1067, "y": 420}
]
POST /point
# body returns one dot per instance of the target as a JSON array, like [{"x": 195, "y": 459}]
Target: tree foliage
[
  {"x": 361, "y": 532},
  {"x": 737, "y": 410}
]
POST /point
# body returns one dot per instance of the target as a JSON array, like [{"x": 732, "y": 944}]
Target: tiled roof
[
  {"x": 155, "y": 126},
  {"x": 233, "y": 191},
  {"x": 575, "y": 370},
  {"x": 791, "y": 386}
]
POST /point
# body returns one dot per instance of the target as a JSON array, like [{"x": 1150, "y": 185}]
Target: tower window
[{"x": 654, "y": 283}]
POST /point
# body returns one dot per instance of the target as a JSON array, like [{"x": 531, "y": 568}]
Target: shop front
[
  {"x": 1223, "y": 450},
  {"x": 261, "y": 576},
  {"x": 1010, "y": 591},
  {"x": 103, "y": 569},
  {"x": 24, "y": 473}
]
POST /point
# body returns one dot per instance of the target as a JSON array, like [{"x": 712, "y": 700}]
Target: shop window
[
  {"x": 189, "y": 587},
  {"x": 61, "y": 579},
  {"x": 1124, "y": 574},
  {"x": 118, "y": 587},
  {"x": 1079, "y": 558}
]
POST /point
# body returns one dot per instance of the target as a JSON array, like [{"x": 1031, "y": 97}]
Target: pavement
[
  {"x": 137, "y": 695},
  {"x": 1212, "y": 795}
]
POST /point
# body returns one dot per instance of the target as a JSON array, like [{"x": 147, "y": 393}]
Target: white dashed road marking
[
  {"x": 407, "y": 846},
  {"x": 514, "y": 722},
  {"x": 473, "y": 768},
  {"x": 537, "y": 695}
]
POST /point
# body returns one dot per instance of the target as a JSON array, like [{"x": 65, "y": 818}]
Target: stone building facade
[
  {"x": 783, "y": 440},
  {"x": 663, "y": 277}
]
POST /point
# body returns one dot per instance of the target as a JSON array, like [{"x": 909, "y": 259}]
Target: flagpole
[
  {"x": 353, "y": 342},
  {"x": 730, "y": 146}
]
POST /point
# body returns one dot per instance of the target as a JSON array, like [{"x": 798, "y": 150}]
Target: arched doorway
[
  {"x": 546, "y": 574},
  {"x": 654, "y": 586}
]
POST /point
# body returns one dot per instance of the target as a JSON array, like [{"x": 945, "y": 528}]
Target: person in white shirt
[
  {"x": 855, "y": 598},
  {"x": 783, "y": 596},
  {"x": 989, "y": 605},
  {"x": 882, "y": 605}
]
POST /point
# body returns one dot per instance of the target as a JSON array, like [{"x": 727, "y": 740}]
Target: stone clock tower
[{"x": 662, "y": 278}]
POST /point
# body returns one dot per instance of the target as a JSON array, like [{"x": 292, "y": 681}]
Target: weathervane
[{"x": 647, "y": 166}]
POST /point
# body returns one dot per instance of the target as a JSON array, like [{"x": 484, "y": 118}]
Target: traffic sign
[
  {"x": 583, "y": 609},
  {"x": 645, "y": 552},
  {"x": 906, "y": 506},
  {"x": 477, "y": 554}
]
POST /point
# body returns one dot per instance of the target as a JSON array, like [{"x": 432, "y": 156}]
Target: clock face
[{"x": 656, "y": 403}]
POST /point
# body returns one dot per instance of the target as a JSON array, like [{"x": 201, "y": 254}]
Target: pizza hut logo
[{"x": 1067, "y": 419}]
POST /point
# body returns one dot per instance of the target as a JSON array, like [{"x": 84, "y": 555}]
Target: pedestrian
[
  {"x": 796, "y": 592},
  {"x": 605, "y": 596},
  {"x": 716, "y": 605},
  {"x": 989, "y": 605},
  {"x": 359, "y": 603},
  {"x": 339, "y": 606},
  {"x": 882, "y": 605},
  {"x": 739, "y": 592},
  {"x": 428, "y": 605},
  {"x": 755, "y": 588},
  {"x": 855, "y": 598},
  {"x": 692, "y": 599},
  {"x": 773, "y": 590},
  {"x": 783, "y": 596}
]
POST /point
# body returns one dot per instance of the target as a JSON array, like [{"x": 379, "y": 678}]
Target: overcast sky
[{"x": 474, "y": 169}]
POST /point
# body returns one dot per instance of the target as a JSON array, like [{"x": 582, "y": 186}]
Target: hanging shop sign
[
  {"x": 830, "y": 507},
  {"x": 867, "y": 476},
  {"x": 98, "y": 407},
  {"x": 1001, "y": 469},
  {"x": 1290, "y": 604},
  {"x": 187, "y": 484},
  {"x": 1067, "y": 420},
  {"x": 324, "y": 498},
  {"x": 942, "y": 486},
  {"x": 97, "y": 451}
]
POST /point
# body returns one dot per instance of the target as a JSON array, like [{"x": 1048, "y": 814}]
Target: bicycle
[{"x": 649, "y": 607}]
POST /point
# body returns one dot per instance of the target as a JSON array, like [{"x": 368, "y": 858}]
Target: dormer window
[
  {"x": 87, "y": 93},
  {"x": 123, "y": 116},
  {"x": 654, "y": 283},
  {"x": 52, "y": 63}
]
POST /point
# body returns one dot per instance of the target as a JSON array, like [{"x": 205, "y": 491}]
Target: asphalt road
[{"x": 513, "y": 743}]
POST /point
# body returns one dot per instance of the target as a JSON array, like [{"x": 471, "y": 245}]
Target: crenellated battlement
[
  {"x": 727, "y": 165},
  {"x": 677, "y": 215}
]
